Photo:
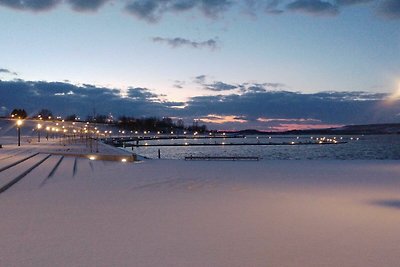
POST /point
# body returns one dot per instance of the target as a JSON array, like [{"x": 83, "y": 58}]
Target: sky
[{"x": 263, "y": 64}]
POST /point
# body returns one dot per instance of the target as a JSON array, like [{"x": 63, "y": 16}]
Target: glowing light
[
  {"x": 19, "y": 123},
  {"x": 92, "y": 158},
  {"x": 39, "y": 126},
  {"x": 123, "y": 160},
  {"x": 395, "y": 96}
]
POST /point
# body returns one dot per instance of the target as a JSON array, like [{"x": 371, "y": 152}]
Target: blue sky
[{"x": 183, "y": 51}]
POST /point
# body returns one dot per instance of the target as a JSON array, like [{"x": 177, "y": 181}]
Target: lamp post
[
  {"x": 47, "y": 132},
  {"x": 19, "y": 123},
  {"x": 39, "y": 126}
]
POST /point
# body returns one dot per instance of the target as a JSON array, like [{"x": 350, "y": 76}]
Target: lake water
[{"x": 356, "y": 147}]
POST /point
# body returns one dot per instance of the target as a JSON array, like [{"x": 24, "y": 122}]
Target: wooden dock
[{"x": 224, "y": 144}]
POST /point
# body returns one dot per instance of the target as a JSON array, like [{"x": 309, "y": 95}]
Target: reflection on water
[{"x": 357, "y": 147}]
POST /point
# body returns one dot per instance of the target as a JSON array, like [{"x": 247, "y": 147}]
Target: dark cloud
[
  {"x": 390, "y": 9},
  {"x": 326, "y": 107},
  {"x": 179, "y": 84},
  {"x": 7, "y": 71},
  {"x": 201, "y": 79},
  {"x": 87, "y": 5},
  {"x": 141, "y": 94},
  {"x": 259, "y": 87},
  {"x": 255, "y": 88},
  {"x": 351, "y": 2},
  {"x": 64, "y": 98},
  {"x": 272, "y": 7},
  {"x": 32, "y": 5},
  {"x": 43, "y": 5},
  {"x": 314, "y": 7},
  {"x": 148, "y": 10},
  {"x": 179, "y": 42},
  {"x": 220, "y": 86},
  {"x": 152, "y": 10},
  {"x": 255, "y": 106}
]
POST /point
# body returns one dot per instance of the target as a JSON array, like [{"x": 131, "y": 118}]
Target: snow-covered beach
[{"x": 183, "y": 213}]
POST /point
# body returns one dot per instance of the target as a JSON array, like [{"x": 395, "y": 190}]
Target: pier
[{"x": 225, "y": 144}]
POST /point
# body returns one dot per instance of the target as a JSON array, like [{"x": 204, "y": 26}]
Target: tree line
[{"x": 165, "y": 124}]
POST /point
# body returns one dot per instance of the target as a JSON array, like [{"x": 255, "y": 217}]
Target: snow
[{"x": 183, "y": 213}]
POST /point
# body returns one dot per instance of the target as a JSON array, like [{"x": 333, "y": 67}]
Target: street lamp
[
  {"x": 39, "y": 126},
  {"x": 47, "y": 132},
  {"x": 19, "y": 124}
]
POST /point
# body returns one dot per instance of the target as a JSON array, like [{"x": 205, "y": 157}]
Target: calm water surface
[{"x": 357, "y": 147}]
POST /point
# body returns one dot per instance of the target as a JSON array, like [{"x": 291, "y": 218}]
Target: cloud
[
  {"x": 141, "y": 94},
  {"x": 272, "y": 7},
  {"x": 390, "y": 9},
  {"x": 217, "y": 119},
  {"x": 254, "y": 108},
  {"x": 201, "y": 79},
  {"x": 65, "y": 98},
  {"x": 314, "y": 7},
  {"x": 87, "y": 5},
  {"x": 43, "y": 5},
  {"x": 179, "y": 42},
  {"x": 220, "y": 86},
  {"x": 326, "y": 107},
  {"x": 153, "y": 10},
  {"x": 179, "y": 84},
  {"x": 352, "y": 2},
  {"x": 31, "y": 5},
  {"x": 7, "y": 71}
]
